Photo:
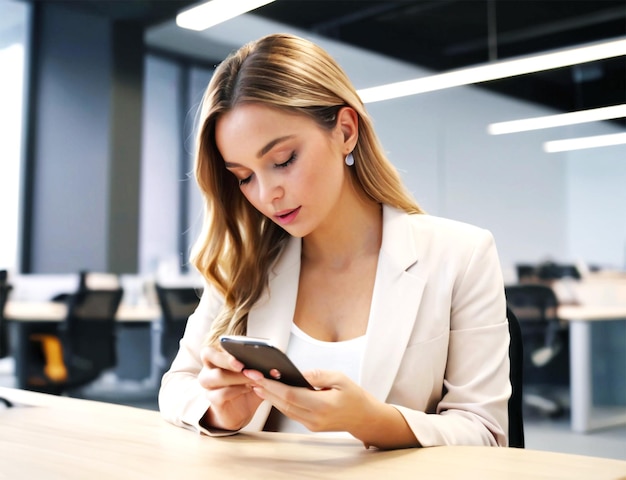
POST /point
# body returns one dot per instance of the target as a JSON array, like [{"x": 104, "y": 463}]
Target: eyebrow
[
  {"x": 263, "y": 151},
  {"x": 272, "y": 144}
]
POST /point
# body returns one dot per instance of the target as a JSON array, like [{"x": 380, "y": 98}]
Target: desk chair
[
  {"x": 545, "y": 339},
  {"x": 516, "y": 356},
  {"x": 84, "y": 345},
  {"x": 177, "y": 304},
  {"x": 91, "y": 281},
  {"x": 5, "y": 290}
]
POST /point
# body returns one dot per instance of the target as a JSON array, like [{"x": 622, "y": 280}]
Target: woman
[{"x": 311, "y": 240}]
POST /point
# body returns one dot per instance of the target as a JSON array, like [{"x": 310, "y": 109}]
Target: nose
[{"x": 270, "y": 189}]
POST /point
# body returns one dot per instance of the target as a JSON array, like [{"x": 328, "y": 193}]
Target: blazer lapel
[
  {"x": 273, "y": 314},
  {"x": 395, "y": 303}
]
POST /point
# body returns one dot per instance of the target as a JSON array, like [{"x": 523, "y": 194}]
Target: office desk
[
  {"x": 65, "y": 438},
  {"x": 55, "y": 312},
  {"x": 25, "y": 318},
  {"x": 584, "y": 416}
]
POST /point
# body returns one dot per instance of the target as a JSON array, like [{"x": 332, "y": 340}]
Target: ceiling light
[
  {"x": 211, "y": 13},
  {"x": 549, "y": 121},
  {"x": 495, "y": 70},
  {"x": 584, "y": 142}
]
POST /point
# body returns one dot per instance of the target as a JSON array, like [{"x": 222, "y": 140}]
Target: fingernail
[
  {"x": 253, "y": 375},
  {"x": 259, "y": 391}
]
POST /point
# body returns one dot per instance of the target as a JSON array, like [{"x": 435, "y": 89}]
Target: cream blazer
[{"x": 436, "y": 344}]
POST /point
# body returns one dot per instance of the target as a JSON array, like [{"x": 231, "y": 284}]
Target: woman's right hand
[{"x": 233, "y": 402}]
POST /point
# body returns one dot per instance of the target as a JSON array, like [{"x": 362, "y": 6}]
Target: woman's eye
[
  {"x": 243, "y": 181},
  {"x": 286, "y": 163}
]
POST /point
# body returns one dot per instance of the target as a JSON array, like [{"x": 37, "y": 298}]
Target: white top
[{"x": 308, "y": 353}]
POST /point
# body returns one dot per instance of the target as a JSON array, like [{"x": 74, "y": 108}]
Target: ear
[{"x": 348, "y": 123}]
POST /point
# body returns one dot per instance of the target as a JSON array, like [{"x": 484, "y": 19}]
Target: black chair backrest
[
  {"x": 532, "y": 302},
  {"x": 516, "y": 356},
  {"x": 89, "y": 333},
  {"x": 5, "y": 290},
  {"x": 177, "y": 303},
  {"x": 553, "y": 271}
]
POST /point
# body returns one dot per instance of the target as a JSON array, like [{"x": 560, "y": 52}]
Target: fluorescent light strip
[
  {"x": 549, "y": 121},
  {"x": 584, "y": 142},
  {"x": 496, "y": 70},
  {"x": 211, "y": 13}
]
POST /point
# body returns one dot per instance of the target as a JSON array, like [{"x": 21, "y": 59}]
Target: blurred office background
[{"x": 99, "y": 103}]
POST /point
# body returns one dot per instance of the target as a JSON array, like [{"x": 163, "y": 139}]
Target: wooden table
[
  {"x": 585, "y": 416},
  {"x": 64, "y": 438},
  {"x": 25, "y": 318}
]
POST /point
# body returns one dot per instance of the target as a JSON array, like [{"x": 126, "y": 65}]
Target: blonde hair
[{"x": 239, "y": 245}]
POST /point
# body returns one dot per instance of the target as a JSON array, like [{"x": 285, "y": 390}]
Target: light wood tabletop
[{"x": 62, "y": 438}]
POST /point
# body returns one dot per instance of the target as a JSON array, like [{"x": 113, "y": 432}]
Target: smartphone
[{"x": 259, "y": 354}]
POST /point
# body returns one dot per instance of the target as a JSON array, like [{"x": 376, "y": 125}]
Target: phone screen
[{"x": 259, "y": 354}]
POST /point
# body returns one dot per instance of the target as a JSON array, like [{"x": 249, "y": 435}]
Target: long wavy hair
[{"x": 238, "y": 245}]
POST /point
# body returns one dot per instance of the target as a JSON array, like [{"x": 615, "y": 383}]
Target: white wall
[
  {"x": 455, "y": 169},
  {"x": 596, "y": 199}
]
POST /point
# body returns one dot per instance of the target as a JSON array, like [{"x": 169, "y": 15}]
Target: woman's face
[{"x": 289, "y": 168}]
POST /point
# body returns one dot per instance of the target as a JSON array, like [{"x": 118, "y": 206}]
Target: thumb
[{"x": 325, "y": 379}]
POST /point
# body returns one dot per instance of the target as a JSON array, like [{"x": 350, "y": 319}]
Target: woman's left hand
[{"x": 337, "y": 404}]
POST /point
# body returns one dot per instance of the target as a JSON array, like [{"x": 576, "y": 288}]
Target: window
[{"x": 13, "y": 45}]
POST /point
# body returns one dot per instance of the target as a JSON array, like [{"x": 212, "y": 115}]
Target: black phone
[{"x": 259, "y": 354}]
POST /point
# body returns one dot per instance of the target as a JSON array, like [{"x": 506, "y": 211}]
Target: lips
[{"x": 285, "y": 217}]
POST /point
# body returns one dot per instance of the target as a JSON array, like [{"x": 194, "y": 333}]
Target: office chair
[
  {"x": 5, "y": 290},
  {"x": 526, "y": 273},
  {"x": 84, "y": 345},
  {"x": 553, "y": 271},
  {"x": 177, "y": 304},
  {"x": 516, "y": 356},
  {"x": 545, "y": 341},
  {"x": 88, "y": 280}
]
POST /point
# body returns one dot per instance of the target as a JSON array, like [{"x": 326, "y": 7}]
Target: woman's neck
[{"x": 353, "y": 233}]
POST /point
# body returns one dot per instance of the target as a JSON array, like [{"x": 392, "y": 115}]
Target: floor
[{"x": 541, "y": 432}]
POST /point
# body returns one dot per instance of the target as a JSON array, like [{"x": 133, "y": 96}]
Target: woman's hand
[
  {"x": 233, "y": 401},
  {"x": 338, "y": 404}
]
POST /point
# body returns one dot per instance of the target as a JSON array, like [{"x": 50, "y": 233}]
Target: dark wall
[{"x": 85, "y": 130}]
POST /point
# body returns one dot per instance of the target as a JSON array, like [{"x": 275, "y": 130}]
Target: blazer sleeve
[
  {"x": 473, "y": 409},
  {"x": 182, "y": 400}
]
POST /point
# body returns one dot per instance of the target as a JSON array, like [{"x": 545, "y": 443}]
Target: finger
[
  {"x": 215, "y": 378},
  {"x": 285, "y": 399},
  {"x": 214, "y": 357},
  {"x": 294, "y": 402},
  {"x": 326, "y": 379},
  {"x": 221, "y": 396}
]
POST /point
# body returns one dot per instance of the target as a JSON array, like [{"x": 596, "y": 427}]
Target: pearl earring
[{"x": 349, "y": 159}]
